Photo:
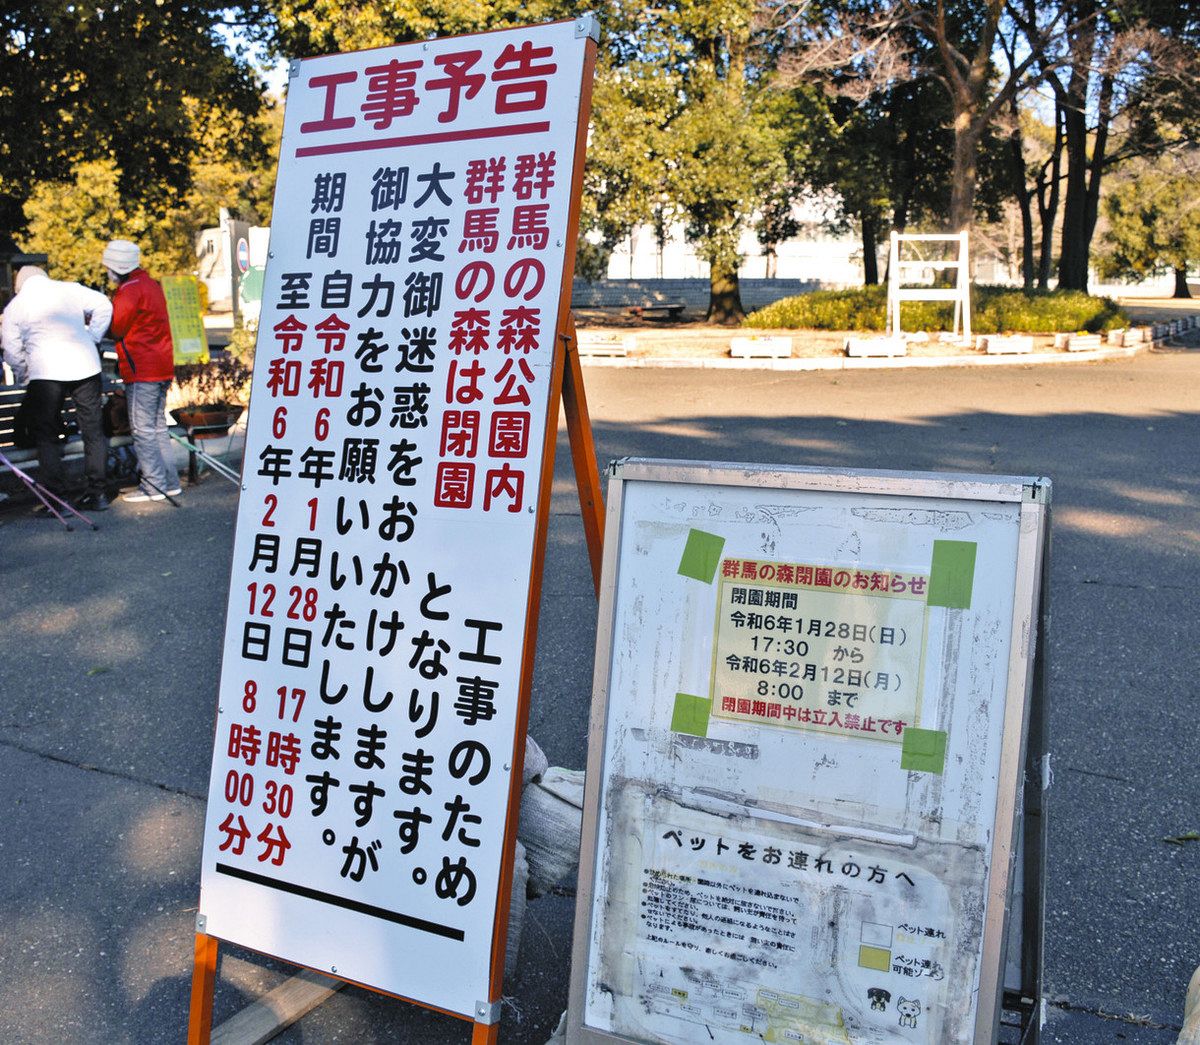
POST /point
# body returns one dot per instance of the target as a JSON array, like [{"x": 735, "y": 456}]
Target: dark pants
[{"x": 45, "y": 404}]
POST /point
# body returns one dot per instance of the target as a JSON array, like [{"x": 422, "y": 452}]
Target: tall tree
[
  {"x": 89, "y": 81},
  {"x": 303, "y": 28},
  {"x": 71, "y": 220},
  {"x": 885, "y": 158},
  {"x": 1153, "y": 222},
  {"x": 886, "y": 42},
  {"x": 1129, "y": 67},
  {"x": 724, "y": 152},
  {"x": 707, "y": 134}
]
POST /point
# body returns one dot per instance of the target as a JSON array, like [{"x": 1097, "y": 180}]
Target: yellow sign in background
[{"x": 187, "y": 324}]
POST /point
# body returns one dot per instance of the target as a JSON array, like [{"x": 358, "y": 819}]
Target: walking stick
[
  {"x": 46, "y": 496},
  {"x": 158, "y": 489}
]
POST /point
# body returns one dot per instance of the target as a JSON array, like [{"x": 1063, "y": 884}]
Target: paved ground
[{"x": 109, "y": 666}]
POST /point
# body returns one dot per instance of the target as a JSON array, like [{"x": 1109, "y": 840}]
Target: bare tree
[{"x": 954, "y": 43}]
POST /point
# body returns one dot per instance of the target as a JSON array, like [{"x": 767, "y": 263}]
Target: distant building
[
  {"x": 819, "y": 256},
  {"x": 229, "y": 262}
]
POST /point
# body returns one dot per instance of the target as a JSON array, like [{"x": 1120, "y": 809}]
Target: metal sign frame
[{"x": 1019, "y": 823}]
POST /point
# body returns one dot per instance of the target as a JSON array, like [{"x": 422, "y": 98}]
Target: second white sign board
[{"x": 806, "y": 740}]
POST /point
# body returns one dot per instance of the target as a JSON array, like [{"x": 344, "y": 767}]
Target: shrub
[
  {"x": 221, "y": 382},
  {"x": 994, "y": 310}
]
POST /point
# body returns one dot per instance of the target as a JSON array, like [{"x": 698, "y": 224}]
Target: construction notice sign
[
  {"x": 807, "y": 755},
  {"x": 378, "y": 646}
]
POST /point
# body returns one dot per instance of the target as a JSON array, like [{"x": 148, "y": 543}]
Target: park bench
[
  {"x": 658, "y": 310},
  {"x": 10, "y": 403},
  {"x": 121, "y": 465}
]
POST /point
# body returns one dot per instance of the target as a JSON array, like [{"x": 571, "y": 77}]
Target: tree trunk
[
  {"x": 968, "y": 130},
  {"x": 1023, "y": 194},
  {"x": 1181, "y": 284},
  {"x": 1076, "y": 238},
  {"x": 1097, "y": 162},
  {"x": 1072, "y": 262},
  {"x": 1048, "y": 187},
  {"x": 904, "y": 163},
  {"x": 724, "y": 297},
  {"x": 870, "y": 245}
]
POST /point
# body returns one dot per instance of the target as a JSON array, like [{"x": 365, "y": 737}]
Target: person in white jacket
[{"x": 49, "y": 335}]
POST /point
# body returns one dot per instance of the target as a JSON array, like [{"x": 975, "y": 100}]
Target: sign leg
[
  {"x": 485, "y": 1033},
  {"x": 204, "y": 978},
  {"x": 583, "y": 452}
]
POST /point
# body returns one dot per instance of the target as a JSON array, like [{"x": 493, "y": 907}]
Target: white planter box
[
  {"x": 1136, "y": 335},
  {"x": 861, "y": 347},
  {"x": 604, "y": 343},
  {"x": 1062, "y": 340},
  {"x": 1084, "y": 343},
  {"x": 1017, "y": 344},
  {"x": 1116, "y": 338},
  {"x": 760, "y": 347}
]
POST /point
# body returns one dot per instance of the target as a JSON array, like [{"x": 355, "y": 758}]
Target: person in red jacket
[{"x": 147, "y": 360}]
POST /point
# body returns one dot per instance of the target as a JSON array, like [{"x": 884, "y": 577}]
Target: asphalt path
[{"x": 109, "y": 661}]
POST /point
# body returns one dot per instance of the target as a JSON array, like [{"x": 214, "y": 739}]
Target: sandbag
[
  {"x": 550, "y": 824},
  {"x": 516, "y": 911}
]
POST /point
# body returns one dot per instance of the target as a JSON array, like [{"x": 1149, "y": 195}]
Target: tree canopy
[
  {"x": 1153, "y": 222},
  {"x": 144, "y": 86},
  {"x": 716, "y": 115}
]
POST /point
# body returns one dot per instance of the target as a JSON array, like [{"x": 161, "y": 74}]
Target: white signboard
[
  {"x": 394, "y": 492},
  {"x": 807, "y": 726}
]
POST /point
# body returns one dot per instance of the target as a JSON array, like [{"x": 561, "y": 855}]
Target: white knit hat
[
  {"x": 121, "y": 256},
  {"x": 24, "y": 274}
]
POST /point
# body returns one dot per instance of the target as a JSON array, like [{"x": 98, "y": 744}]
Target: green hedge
[{"x": 994, "y": 310}]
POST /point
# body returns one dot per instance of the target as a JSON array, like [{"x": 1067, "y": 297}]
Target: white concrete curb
[{"x": 869, "y": 363}]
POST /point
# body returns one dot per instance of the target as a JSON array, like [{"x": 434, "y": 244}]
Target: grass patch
[{"x": 994, "y": 310}]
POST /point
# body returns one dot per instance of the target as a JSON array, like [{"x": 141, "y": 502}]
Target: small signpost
[
  {"x": 813, "y": 809},
  {"x": 387, "y": 564},
  {"x": 900, "y": 288},
  {"x": 187, "y": 323}
]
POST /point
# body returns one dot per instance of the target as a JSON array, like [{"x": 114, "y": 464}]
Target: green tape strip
[
  {"x": 701, "y": 555},
  {"x": 924, "y": 750},
  {"x": 952, "y": 575},
  {"x": 691, "y": 714}
]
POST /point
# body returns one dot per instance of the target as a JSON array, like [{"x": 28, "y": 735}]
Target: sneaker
[
  {"x": 175, "y": 492},
  {"x": 139, "y": 496},
  {"x": 96, "y": 502}
]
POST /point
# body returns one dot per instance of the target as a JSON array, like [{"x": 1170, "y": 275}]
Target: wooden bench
[
  {"x": 27, "y": 458},
  {"x": 659, "y": 310},
  {"x": 10, "y": 402}
]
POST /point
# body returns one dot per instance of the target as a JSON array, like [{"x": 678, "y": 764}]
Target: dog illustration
[
  {"x": 909, "y": 1011},
  {"x": 879, "y": 998}
]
